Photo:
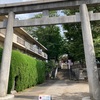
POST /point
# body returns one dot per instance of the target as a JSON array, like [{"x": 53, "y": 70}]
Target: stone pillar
[
  {"x": 6, "y": 56},
  {"x": 92, "y": 71}
]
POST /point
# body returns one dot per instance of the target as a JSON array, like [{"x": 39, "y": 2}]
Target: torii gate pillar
[
  {"x": 92, "y": 71},
  {"x": 6, "y": 56}
]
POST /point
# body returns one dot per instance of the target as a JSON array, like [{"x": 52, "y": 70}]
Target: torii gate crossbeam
[
  {"x": 40, "y": 5},
  {"x": 45, "y": 20}
]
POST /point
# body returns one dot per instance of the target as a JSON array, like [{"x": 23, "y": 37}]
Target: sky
[
  {"x": 12, "y": 1},
  {"x": 26, "y": 16},
  {"x": 9, "y": 1},
  {"x": 21, "y": 16}
]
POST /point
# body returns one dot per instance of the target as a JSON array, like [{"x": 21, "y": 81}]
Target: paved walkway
[{"x": 58, "y": 89}]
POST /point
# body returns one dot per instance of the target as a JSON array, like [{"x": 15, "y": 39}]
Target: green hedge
[{"x": 25, "y": 70}]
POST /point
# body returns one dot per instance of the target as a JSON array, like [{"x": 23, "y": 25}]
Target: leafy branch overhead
[
  {"x": 72, "y": 44},
  {"x": 49, "y": 36}
]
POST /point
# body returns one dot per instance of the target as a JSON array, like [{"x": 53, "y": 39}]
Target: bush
[
  {"x": 40, "y": 71},
  {"x": 26, "y": 71},
  {"x": 0, "y": 54}
]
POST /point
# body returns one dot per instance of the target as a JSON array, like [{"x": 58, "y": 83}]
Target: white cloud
[
  {"x": 24, "y": 16},
  {"x": 29, "y": 0},
  {"x": 13, "y": 1},
  {"x": 26, "y": 0}
]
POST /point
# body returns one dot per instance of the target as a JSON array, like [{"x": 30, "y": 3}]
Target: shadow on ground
[
  {"x": 48, "y": 83},
  {"x": 67, "y": 96},
  {"x": 26, "y": 97},
  {"x": 59, "y": 89},
  {"x": 75, "y": 96},
  {"x": 68, "y": 82}
]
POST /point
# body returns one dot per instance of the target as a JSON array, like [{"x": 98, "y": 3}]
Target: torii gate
[{"x": 45, "y": 5}]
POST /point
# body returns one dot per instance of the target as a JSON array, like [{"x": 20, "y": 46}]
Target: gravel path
[{"x": 58, "y": 89}]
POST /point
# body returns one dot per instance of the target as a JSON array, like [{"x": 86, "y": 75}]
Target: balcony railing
[
  {"x": 33, "y": 48},
  {"x": 40, "y": 51},
  {"x": 2, "y": 31},
  {"x": 20, "y": 41},
  {"x": 36, "y": 50},
  {"x": 45, "y": 55}
]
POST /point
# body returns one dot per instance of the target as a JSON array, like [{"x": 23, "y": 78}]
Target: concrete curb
[
  {"x": 9, "y": 96},
  {"x": 86, "y": 98}
]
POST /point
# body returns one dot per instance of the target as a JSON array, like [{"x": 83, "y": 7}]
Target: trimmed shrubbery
[{"x": 25, "y": 70}]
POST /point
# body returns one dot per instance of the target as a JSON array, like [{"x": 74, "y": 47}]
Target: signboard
[{"x": 45, "y": 97}]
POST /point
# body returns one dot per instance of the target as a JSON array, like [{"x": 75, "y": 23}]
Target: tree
[
  {"x": 49, "y": 36},
  {"x": 74, "y": 36},
  {"x": 96, "y": 36},
  {"x": 74, "y": 41}
]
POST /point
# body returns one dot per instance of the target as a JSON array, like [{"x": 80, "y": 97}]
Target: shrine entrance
[{"x": 83, "y": 16}]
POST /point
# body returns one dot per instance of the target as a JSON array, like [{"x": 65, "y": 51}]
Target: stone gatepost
[
  {"x": 6, "y": 56},
  {"x": 92, "y": 71}
]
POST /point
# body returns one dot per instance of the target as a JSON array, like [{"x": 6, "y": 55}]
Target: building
[{"x": 25, "y": 43}]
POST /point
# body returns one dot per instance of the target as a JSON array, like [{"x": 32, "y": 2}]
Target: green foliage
[
  {"x": 73, "y": 34},
  {"x": 74, "y": 41},
  {"x": 25, "y": 70},
  {"x": 49, "y": 36},
  {"x": 41, "y": 68},
  {"x": 50, "y": 65},
  {"x": 97, "y": 46},
  {"x": 0, "y": 54},
  {"x": 96, "y": 37},
  {"x": 70, "y": 12}
]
